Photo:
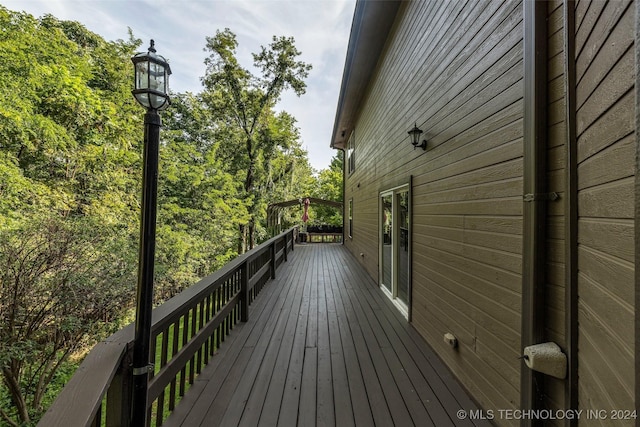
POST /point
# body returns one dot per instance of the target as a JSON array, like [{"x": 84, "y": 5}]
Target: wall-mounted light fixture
[{"x": 415, "y": 138}]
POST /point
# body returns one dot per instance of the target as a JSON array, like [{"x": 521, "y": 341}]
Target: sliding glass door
[
  {"x": 387, "y": 242},
  {"x": 402, "y": 250},
  {"x": 394, "y": 246}
]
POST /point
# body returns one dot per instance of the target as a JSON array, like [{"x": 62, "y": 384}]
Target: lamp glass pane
[
  {"x": 156, "y": 77},
  {"x": 142, "y": 75},
  {"x": 156, "y": 101},
  {"x": 414, "y": 134},
  {"x": 143, "y": 98}
]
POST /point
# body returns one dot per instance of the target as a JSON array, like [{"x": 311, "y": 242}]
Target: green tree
[
  {"x": 68, "y": 199},
  {"x": 66, "y": 122},
  {"x": 329, "y": 187},
  {"x": 245, "y": 103},
  {"x": 199, "y": 209},
  {"x": 60, "y": 286},
  {"x": 285, "y": 169},
  {"x": 70, "y": 174}
]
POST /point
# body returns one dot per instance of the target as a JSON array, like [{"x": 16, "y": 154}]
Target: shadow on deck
[{"x": 323, "y": 346}]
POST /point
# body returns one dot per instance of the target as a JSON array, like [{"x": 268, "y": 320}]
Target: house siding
[
  {"x": 606, "y": 141},
  {"x": 465, "y": 92},
  {"x": 455, "y": 68}
]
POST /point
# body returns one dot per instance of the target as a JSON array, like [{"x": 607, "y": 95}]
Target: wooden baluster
[
  {"x": 192, "y": 332},
  {"x": 174, "y": 350},
  {"x": 185, "y": 331},
  {"x": 244, "y": 293},
  {"x": 163, "y": 361}
]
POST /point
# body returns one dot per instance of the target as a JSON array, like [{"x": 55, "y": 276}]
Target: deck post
[
  {"x": 272, "y": 261},
  {"x": 120, "y": 393},
  {"x": 244, "y": 292},
  {"x": 286, "y": 244},
  {"x": 294, "y": 232}
]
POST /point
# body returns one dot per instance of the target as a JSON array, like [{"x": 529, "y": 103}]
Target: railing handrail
[
  {"x": 79, "y": 402},
  {"x": 161, "y": 315}
]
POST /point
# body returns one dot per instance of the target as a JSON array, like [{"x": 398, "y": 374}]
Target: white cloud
[{"x": 179, "y": 28}]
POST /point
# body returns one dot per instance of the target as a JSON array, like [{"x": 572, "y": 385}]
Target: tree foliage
[
  {"x": 200, "y": 210},
  {"x": 255, "y": 135},
  {"x": 68, "y": 199},
  {"x": 329, "y": 187},
  {"x": 60, "y": 285},
  {"x": 70, "y": 177}
]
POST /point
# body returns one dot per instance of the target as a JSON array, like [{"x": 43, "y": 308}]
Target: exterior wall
[
  {"x": 455, "y": 69},
  {"x": 606, "y": 143}
]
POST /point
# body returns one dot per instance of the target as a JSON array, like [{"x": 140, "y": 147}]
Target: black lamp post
[{"x": 151, "y": 91}]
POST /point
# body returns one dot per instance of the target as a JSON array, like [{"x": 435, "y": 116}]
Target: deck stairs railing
[{"x": 186, "y": 332}]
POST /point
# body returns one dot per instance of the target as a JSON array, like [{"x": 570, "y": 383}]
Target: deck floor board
[{"x": 323, "y": 347}]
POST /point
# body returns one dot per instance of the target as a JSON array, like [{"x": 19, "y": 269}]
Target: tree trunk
[
  {"x": 242, "y": 239},
  {"x": 8, "y": 419},
  {"x": 13, "y": 385},
  {"x": 252, "y": 234},
  {"x": 249, "y": 235}
]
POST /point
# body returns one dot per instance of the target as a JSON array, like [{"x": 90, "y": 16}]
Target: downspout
[
  {"x": 534, "y": 205},
  {"x": 571, "y": 214}
]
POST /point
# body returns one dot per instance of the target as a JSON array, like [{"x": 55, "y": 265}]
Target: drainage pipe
[{"x": 534, "y": 204}]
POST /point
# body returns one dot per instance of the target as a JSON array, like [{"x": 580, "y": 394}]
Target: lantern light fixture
[
  {"x": 152, "y": 72},
  {"x": 414, "y": 134}
]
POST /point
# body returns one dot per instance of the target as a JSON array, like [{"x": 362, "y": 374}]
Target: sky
[{"x": 179, "y": 28}]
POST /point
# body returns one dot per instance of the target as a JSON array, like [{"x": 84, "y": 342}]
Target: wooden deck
[{"x": 323, "y": 346}]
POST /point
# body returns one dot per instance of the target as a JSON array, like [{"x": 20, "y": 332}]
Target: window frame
[
  {"x": 350, "y": 219},
  {"x": 351, "y": 152}
]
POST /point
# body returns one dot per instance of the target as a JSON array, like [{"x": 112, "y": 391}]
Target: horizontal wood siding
[
  {"x": 454, "y": 68},
  {"x": 555, "y": 227},
  {"x": 605, "y": 68}
]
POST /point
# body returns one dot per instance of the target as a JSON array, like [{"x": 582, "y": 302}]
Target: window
[
  {"x": 350, "y": 225},
  {"x": 351, "y": 155}
]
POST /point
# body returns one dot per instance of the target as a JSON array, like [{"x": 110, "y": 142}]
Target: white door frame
[{"x": 395, "y": 241}]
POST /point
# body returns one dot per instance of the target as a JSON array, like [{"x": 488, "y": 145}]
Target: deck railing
[{"x": 186, "y": 331}]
